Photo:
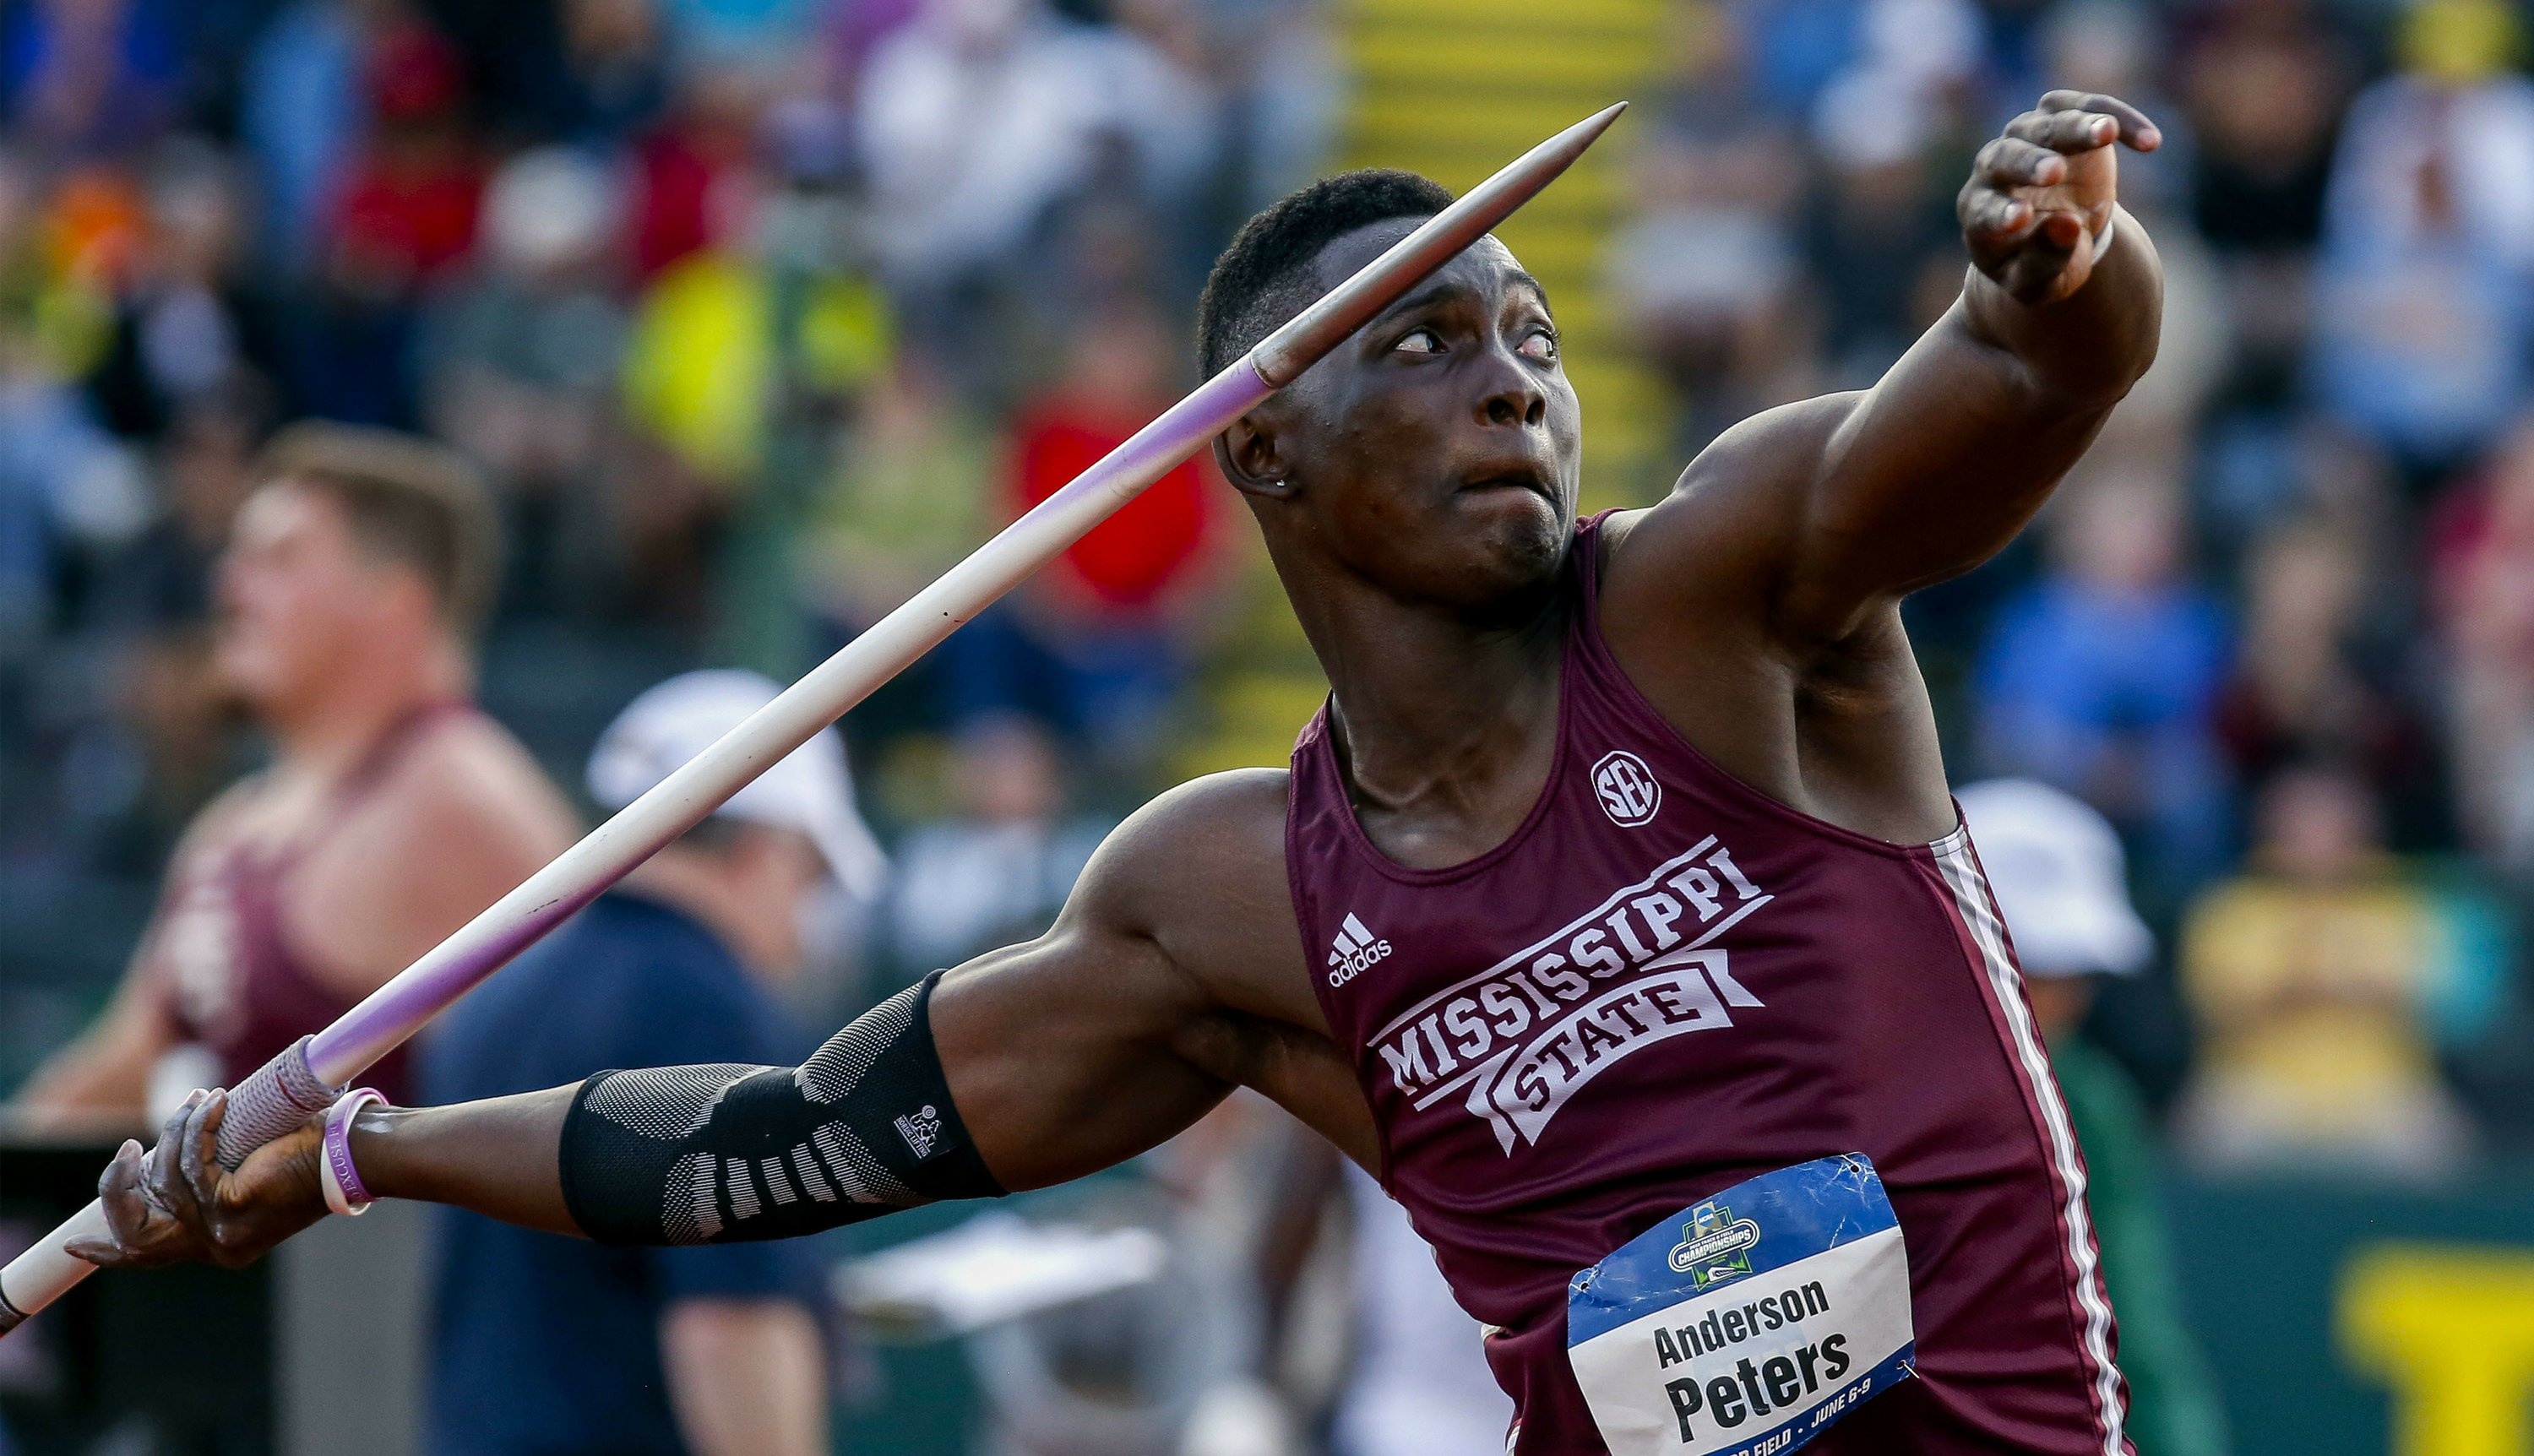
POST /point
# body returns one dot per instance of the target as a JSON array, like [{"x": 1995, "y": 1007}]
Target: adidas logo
[{"x": 1355, "y": 952}]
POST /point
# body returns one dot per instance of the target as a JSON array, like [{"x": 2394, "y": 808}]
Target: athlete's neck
[
  {"x": 1445, "y": 726},
  {"x": 327, "y": 728}
]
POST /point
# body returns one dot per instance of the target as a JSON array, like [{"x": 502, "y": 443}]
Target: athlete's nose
[{"x": 1511, "y": 396}]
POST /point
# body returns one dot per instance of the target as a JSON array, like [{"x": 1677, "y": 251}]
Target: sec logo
[{"x": 1627, "y": 789}]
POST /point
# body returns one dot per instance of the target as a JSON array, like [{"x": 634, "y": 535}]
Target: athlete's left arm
[{"x": 1849, "y": 502}]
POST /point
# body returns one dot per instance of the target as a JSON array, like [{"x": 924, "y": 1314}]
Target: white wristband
[
  {"x": 2104, "y": 240},
  {"x": 335, "y": 1174}
]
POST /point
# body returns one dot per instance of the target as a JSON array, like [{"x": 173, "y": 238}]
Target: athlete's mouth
[{"x": 1511, "y": 477}]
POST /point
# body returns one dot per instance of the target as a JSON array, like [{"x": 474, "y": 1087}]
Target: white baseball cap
[
  {"x": 2060, "y": 878},
  {"x": 811, "y": 790}
]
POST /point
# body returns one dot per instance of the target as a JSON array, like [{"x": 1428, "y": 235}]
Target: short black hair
[{"x": 1264, "y": 277}]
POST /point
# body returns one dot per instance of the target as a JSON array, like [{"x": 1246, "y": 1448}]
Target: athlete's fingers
[
  {"x": 2035, "y": 270},
  {"x": 2061, "y": 230},
  {"x": 199, "y": 1159},
  {"x": 2136, "y": 130},
  {"x": 98, "y": 1251},
  {"x": 165, "y": 1184},
  {"x": 2065, "y": 131},
  {"x": 2055, "y": 233},
  {"x": 1992, "y": 220},
  {"x": 119, "y": 1193},
  {"x": 2014, "y": 161}
]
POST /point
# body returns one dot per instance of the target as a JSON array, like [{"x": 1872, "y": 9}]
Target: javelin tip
[
  {"x": 1552, "y": 157},
  {"x": 1282, "y": 355}
]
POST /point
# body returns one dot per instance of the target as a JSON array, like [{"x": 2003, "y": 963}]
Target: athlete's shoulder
[
  {"x": 1717, "y": 545},
  {"x": 1200, "y": 873},
  {"x": 1754, "y": 474},
  {"x": 1216, "y": 800},
  {"x": 1222, "y": 832}
]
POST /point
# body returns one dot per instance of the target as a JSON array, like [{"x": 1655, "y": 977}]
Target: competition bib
[{"x": 1746, "y": 1325}]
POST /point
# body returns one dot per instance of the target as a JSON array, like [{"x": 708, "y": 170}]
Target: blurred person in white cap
[
  {"x": 2061, "y": 882},
  {"x": 555, "y": 1346}
]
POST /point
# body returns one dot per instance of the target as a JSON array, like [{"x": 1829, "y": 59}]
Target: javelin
[{"x": 306, "y": 1077}]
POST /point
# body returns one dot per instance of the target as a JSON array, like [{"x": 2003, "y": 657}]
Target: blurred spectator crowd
[
  {"x": 2274, "y": 625},
  {"x": 760, "y": 313}
]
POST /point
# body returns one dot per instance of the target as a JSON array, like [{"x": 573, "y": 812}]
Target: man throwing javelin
[{"x": 1615, "y": 903}]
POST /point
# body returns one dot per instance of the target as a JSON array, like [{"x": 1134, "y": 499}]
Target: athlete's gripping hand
[
  {"x": 2042, "y": 193},
  {"x": 179, "y": 1205}
]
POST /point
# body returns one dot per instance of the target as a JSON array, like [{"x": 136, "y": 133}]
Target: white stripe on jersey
[{"x": 1971, "y": 899}]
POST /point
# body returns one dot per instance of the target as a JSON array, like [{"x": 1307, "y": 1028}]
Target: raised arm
[
  {"x": 1834, "y": 507},
  {"x": 1175, "y": 974}
]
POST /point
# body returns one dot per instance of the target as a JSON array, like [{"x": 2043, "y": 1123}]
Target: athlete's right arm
[{"x": 1173, "y": 974}]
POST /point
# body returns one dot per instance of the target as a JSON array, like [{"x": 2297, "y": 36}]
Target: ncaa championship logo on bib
[
  {"x": 1749, "y": 1324},
  {"x": 1628, "y": 790}
]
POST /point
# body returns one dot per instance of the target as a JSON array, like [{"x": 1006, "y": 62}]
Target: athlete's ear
[{"x": 1250, "y": 460}]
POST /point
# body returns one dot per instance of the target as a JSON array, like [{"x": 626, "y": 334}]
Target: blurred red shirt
[
  {"x": 1134, "y": 558},
  {"x": 407, "y": 206},
  {"x": 417, "y": 220}
]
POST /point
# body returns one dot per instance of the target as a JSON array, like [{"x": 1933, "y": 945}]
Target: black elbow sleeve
[{"x": 722, "y": 1153}]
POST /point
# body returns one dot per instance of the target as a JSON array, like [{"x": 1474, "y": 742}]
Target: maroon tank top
[
  {"x": 228, "y": 977},
  {"x": 1667, "y": 982}
]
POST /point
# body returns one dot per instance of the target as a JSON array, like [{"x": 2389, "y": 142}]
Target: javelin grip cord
[{"x": 279, "y": 1096}]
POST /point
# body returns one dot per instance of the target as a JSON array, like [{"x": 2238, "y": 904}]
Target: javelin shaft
[
  {"x": 304, "y": 1078},
  {"x": 403, "y": 1005},
  {"x": 395, "y": 1011}
]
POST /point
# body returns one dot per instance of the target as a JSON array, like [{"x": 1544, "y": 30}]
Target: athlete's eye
[
  {"x": 1421, "y": 341},
  {"x": 1541, "y": 346}
]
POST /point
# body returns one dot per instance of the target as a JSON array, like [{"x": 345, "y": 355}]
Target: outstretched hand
[
  {"x": 176, "y": 1204},
  {"x": 2041, "y": 194}
]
